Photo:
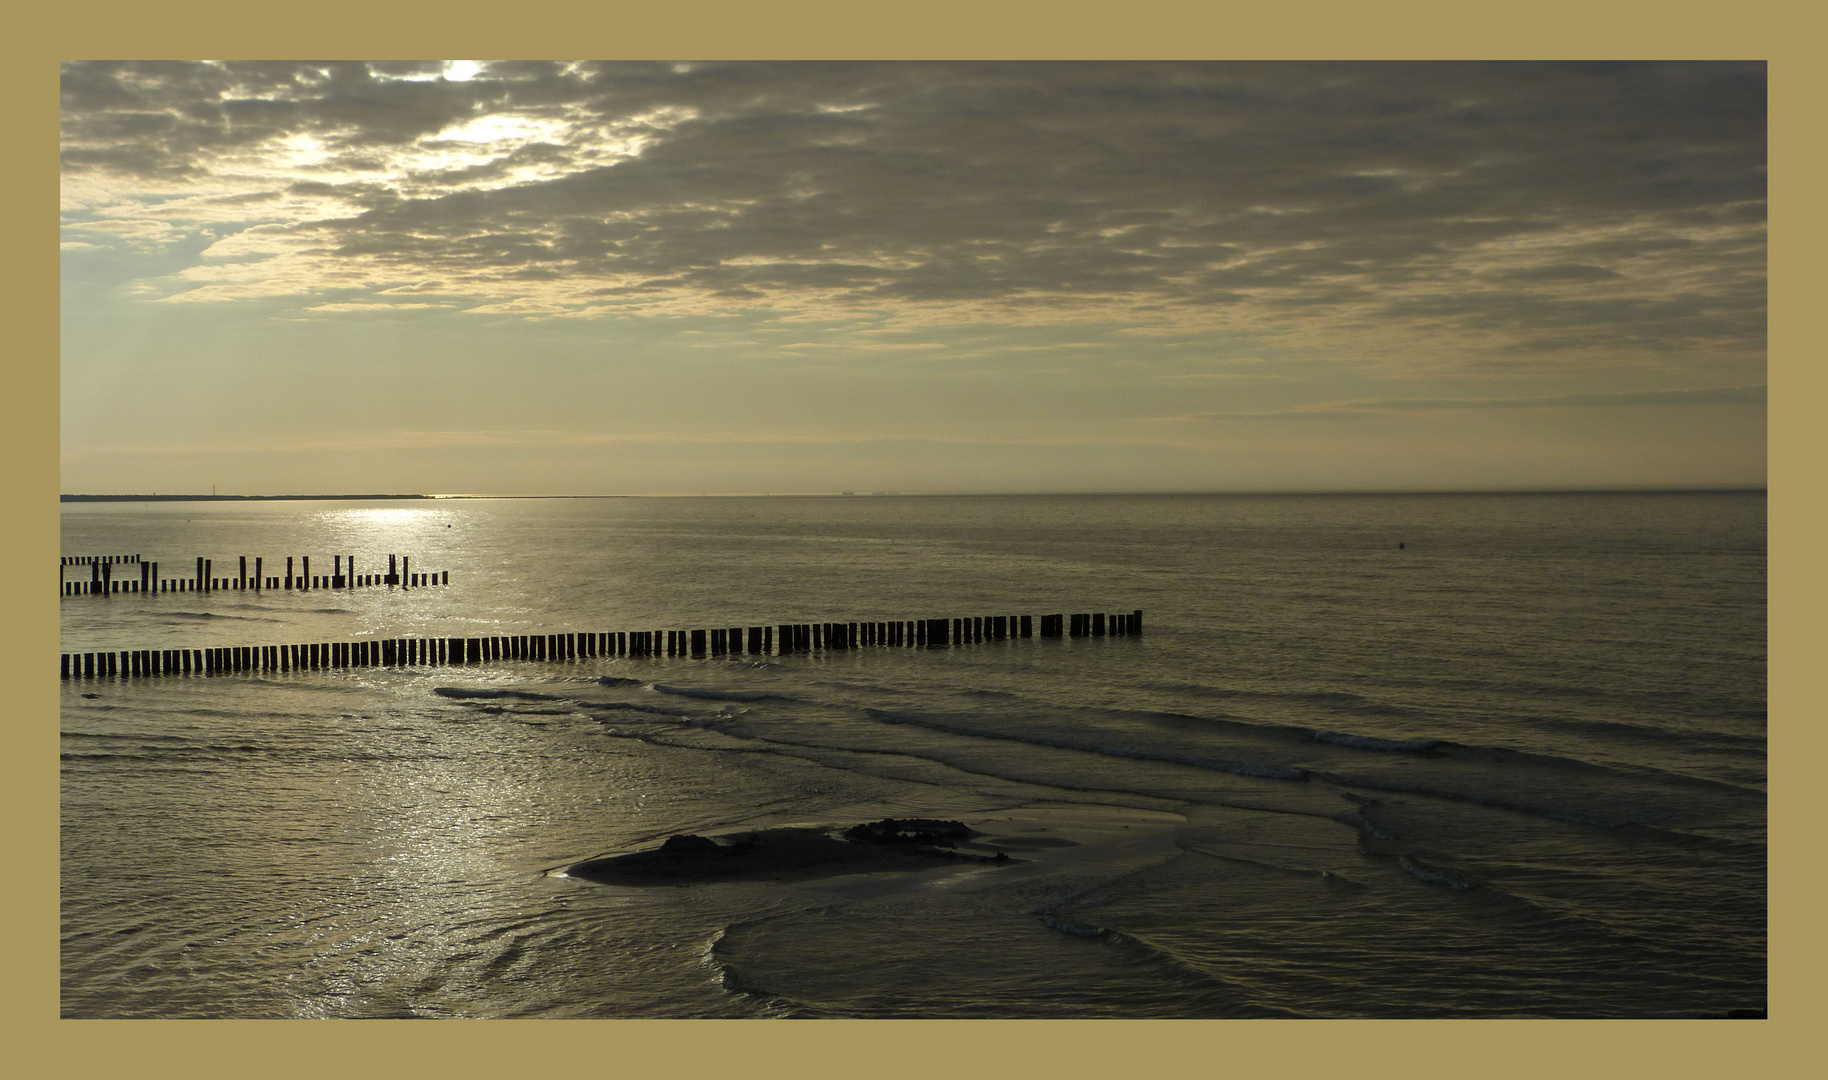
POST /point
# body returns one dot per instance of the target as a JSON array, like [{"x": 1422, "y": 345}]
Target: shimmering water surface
[{"x": 1513, "y": 767}]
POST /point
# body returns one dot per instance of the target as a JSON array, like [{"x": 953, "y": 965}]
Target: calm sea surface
[{"x": 1515, "y": 766}]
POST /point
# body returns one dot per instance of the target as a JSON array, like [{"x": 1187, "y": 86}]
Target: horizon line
[{"x": 1623, "y": 489}]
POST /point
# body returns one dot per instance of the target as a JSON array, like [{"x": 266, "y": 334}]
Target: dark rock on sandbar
[
  {"x": 930, "y": 831},
  {"x": 783, "y": 854}
]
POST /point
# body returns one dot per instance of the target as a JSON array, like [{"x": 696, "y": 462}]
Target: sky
[{"x": 675, "y": 278}]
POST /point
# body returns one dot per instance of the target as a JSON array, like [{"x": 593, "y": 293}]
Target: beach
[{"x": 1514, "y": 766}]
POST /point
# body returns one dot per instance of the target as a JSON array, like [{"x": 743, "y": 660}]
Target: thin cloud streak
[
  {"x": 442, "y": 440},
  {"x": 1335, "y": 410}
]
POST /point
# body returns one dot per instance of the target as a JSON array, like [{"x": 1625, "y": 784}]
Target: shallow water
[{"x": 1514, "y": 767}]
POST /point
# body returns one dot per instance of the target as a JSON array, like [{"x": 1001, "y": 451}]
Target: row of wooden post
[
  {"x": 85, "y": 560},
  {"x": 101, "y": 577},
  {"x": 735, "y": 640}
]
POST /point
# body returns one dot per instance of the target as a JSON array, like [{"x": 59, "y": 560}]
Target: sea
[{"x": 1381, "y": 755}]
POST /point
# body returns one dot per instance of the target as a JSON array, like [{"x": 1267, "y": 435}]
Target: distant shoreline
[
  {"x": 225, "y": 498},
  {"x": 1668, "y": 490}
]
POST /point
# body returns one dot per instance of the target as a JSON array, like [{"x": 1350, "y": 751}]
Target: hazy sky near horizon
[{"x": 574, "y": 278}]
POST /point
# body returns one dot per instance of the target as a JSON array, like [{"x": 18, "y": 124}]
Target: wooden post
[
  {"x": 406, "y": 573},
  {"x": 393, "y": 576}
]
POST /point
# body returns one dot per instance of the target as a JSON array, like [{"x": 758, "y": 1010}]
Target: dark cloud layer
[{"x": 1533, "y": 207}]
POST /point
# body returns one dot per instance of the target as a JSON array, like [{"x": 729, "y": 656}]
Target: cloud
[
  {"x": 343, "y": 308},
  {"x": 1500, "y": 213}
]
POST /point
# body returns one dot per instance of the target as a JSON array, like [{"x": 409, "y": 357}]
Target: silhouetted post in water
[
  {"x": 304, "y": 571},
  {"x": 393, "y": 576},
  {"x": 336, "y": 572},
  {"x": 145, "y": 576},
  {"x": 698, "y": 643},
  {"x": 406, "y": 562},
  {"x": 241, "y": 573},
  {"x": 288, "y": 571},
  {"x": 1098, "y": 624},
  {"x": 351, "y": 578}
]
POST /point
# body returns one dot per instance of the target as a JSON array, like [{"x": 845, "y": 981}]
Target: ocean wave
[
  {"x": 679, "y": 714},
  {"x": 1076, "y": 929},
  {"x": 1254, "y": 769},
  {"x": 121, "y": 735},
  {"x": 1508, "y": 755},
  {"x": 1434, "y": 875},
  {"x": 464, "y": 692},
  {"x": 1621, "y": 730},
  {"x": 1370, "y": 742},
  {"x": 719, "y": 695}
]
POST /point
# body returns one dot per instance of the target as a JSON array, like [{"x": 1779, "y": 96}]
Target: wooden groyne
[
  {"x": 103, "y": 581},
  {"x": 768, "y": 640}
]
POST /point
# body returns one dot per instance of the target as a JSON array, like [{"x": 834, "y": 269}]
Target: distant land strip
[{"x": 222, "y": 498}]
